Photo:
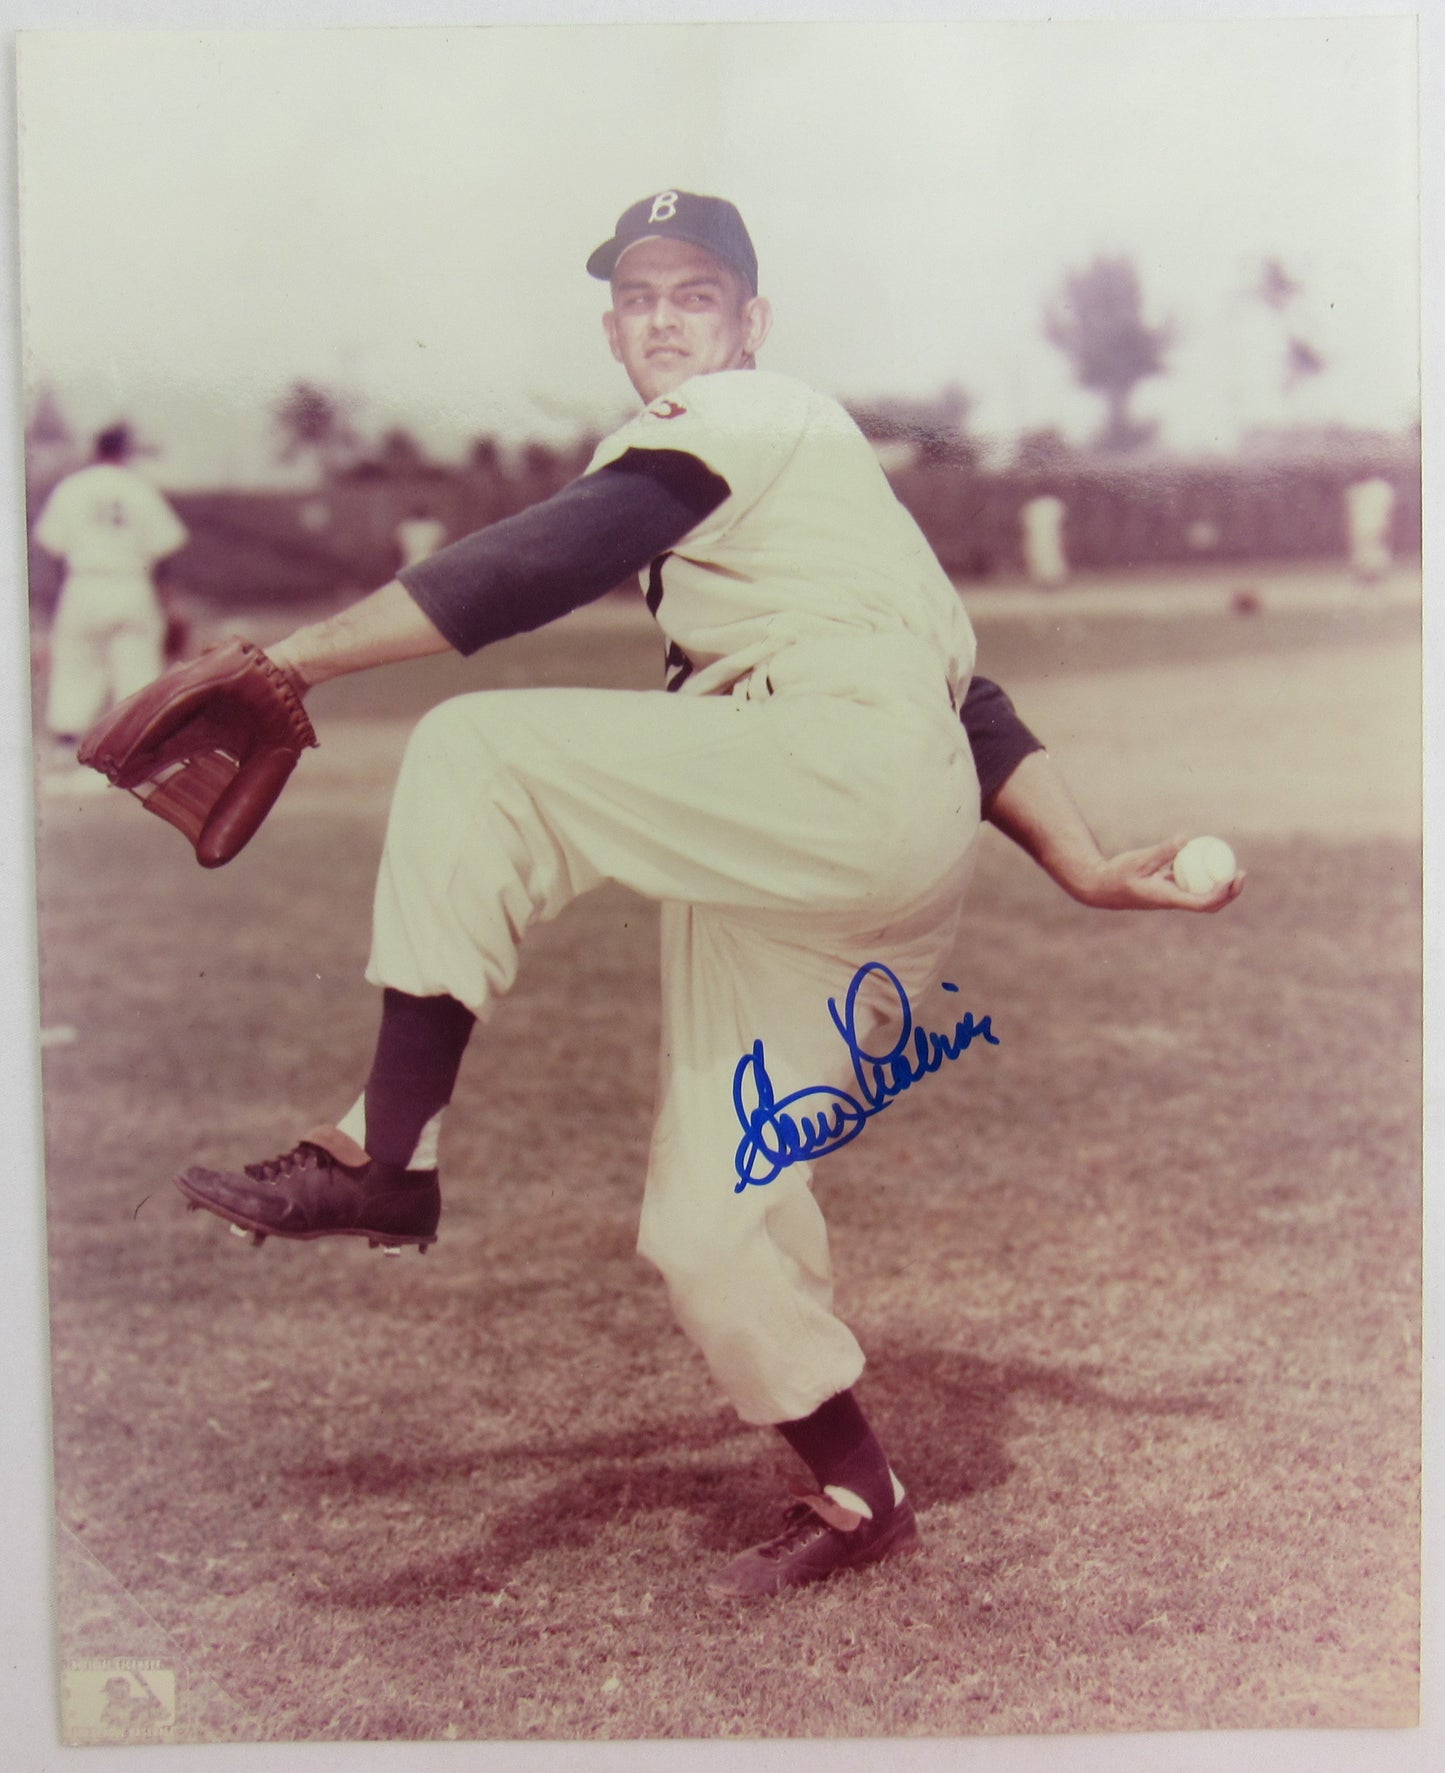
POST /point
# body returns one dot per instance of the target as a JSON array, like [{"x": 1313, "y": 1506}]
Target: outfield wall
[
  {"x": 1164, "y": 515},
  {"x": 340, "y": 539}
]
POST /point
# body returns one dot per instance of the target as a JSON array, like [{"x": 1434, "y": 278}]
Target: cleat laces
[
  {"x": 272, "y": 1169},
  {"x": 801, "y": 1526}
]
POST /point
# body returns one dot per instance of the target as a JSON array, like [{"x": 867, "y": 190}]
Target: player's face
[{"x": 677, "y": 312}]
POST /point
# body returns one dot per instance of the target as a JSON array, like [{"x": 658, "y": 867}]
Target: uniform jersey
[
  {"x": 810, "y": 542},
  {"x": 643, "y": 505},
  {"x": 108, "y": 519}
]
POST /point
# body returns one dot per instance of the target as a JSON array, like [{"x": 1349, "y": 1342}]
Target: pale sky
[{"x": 207, "y": 216}]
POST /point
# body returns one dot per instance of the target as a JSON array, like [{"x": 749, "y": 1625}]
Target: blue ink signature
[{"x": 776, "y": 1134}]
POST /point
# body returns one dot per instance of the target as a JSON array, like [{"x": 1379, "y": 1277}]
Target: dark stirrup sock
[
  {"x": 418, "y": 1055},
  {"x": 840, "y": 1448}
]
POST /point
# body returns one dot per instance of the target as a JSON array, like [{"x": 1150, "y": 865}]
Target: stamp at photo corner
[{"x": 116, "y": 1699}]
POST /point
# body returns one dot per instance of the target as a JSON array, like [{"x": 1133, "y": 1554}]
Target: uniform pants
[
  {"x": 107, "y": 640},
  {"x": 821, "y": 817}
]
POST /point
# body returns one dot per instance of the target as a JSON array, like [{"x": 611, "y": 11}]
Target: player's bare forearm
[
  {"x": 1036, "y": 809},
  {"x": 384, "y": 628}
]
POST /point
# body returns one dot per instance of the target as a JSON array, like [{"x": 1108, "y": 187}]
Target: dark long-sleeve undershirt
[
  {"x": 573, "y": 548},
  {"x": 997, "y": 737}
]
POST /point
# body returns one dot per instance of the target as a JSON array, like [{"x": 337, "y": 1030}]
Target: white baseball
[{"x": 1203, "y": 864}]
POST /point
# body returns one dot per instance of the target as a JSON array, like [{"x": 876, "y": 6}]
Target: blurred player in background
[
  {"x": 110, "y": 526},
  {"x": 1042, "y": 520},
  {"x": 1369, "y": 506},
  {"x": 418, "y": 536}
]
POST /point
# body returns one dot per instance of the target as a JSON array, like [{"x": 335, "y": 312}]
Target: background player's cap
[
  {"x": 114, "y": 443},
  {"x": 708, "y": 222}
]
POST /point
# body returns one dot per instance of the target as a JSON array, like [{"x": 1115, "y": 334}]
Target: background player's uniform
[
  {"x": 1369, "y": 507},
  {"x": 808, "y": 803},
  {"x": 1042, "y": 522},
  {"x": 418, "y": 537},
  {"x": 110, "y": 526}
]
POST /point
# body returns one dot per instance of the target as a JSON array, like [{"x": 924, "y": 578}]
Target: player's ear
[
  {"x": 757, "y": 323},
  {"x": 609, "y": 326}
]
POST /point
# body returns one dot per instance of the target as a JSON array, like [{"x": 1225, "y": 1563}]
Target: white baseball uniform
[
  {"x": 805, "y": 805},
  {"x": 1042, "y": 520},
  {"x": 418, "y": 538},
  {"x": 1369, "y": 507},
  {"x": 110, "y": 526}
]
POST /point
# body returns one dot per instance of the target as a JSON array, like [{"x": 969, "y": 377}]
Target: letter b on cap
[{"x": 664, "y": 207}]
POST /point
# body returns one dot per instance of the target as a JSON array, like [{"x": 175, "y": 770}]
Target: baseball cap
[
  {"x": 115, "y": 440},
  {"x": 709, "y": 222}
]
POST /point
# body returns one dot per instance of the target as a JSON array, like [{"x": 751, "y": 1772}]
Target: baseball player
[
  {"x": 418, "y": 536},
  {"x": 110, "y": 526},
  {"x": 1369, "y": 507},
  {"x": 1042, "y": 522},
  {"x": 803, "y": 800}
]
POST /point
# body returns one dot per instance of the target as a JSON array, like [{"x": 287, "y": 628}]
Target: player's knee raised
[{"x": 449, "y": 733}]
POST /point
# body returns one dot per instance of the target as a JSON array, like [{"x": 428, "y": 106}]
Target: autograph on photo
[{"x": 778, "y": 1134}]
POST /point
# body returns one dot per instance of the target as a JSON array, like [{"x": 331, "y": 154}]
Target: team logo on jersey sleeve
[{"x": 666, "y": 409}]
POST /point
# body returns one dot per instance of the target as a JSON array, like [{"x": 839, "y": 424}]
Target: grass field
[{"x": 1140, "y": 1287}]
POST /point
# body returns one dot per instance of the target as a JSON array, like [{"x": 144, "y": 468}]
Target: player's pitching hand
[{"x": 1143, "y": 880}]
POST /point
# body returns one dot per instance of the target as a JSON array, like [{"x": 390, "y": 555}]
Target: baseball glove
[{"x": 208, "y": 747}]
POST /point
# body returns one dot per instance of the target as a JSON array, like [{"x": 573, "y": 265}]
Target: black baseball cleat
[
  {"x": 816, "y": 1542},
  {"x": 328, "y": 1186}
]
